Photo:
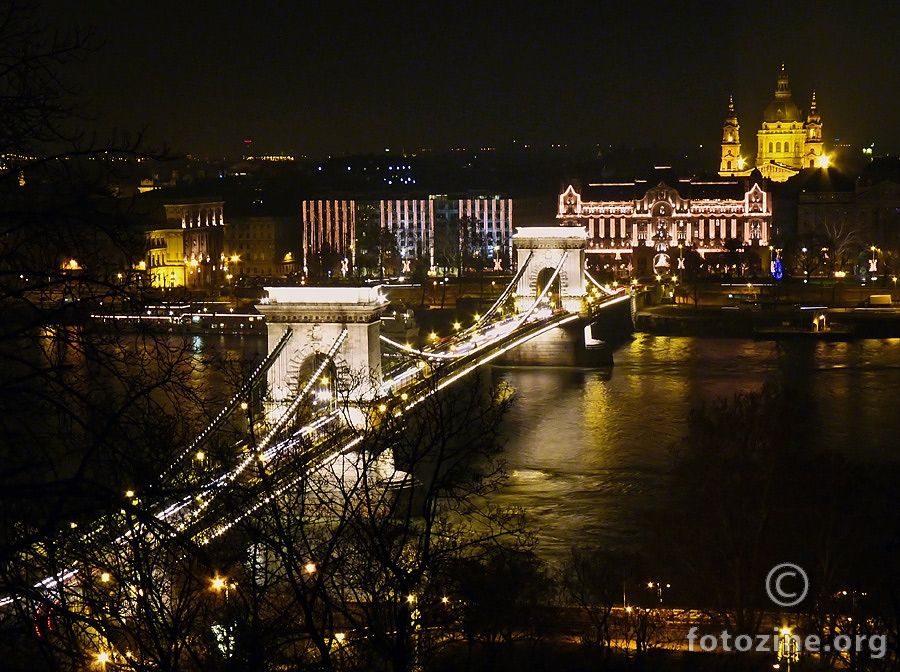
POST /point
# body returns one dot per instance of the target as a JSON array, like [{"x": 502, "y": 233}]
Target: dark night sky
[{"x": 320, "y": 78}]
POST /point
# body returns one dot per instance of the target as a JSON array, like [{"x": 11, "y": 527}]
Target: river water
[{"x": 588, "y": 450}]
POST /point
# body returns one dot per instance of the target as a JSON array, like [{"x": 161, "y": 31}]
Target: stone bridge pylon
[
  {"x": 317, "y": 316},
  {"x": 549, "y": 244}
]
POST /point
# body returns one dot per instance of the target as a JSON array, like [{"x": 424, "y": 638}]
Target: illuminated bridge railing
[
  {"x": 504, "y": 295},
  {"x": 240, "y": 397},
  {"x": 227, "y": 480},
  {"x": 203, "y": 522}
]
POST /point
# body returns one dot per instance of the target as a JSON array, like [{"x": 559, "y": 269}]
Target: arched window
[
  {"x": 796, "y": 148},
  {"x": 770, "y": 148},
  {"x": 778, "y": 147},
  {"x": 728, "y": 165}
]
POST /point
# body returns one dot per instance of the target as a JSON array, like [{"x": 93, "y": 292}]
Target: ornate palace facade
[{"x": 624, "y": 220}]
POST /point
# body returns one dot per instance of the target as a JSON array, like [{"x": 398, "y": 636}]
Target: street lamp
[
  {"x": 788, "y": 651},
  {"x": 659, "y": 588}
]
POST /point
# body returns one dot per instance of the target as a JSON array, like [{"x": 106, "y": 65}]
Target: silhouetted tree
[
  {"x": 90, "y": 409},
  {"x": 369, "y": 544}
]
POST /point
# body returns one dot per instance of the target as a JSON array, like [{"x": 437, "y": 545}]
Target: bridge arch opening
[
  {"x": 297, "y": 372},
  {"x": 543, "y": 279}
]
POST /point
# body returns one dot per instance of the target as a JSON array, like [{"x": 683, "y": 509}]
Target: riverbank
[{"x": 754, "y": 321}]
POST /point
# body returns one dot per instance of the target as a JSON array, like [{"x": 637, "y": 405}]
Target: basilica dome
[{"x": 781, "y": 109}]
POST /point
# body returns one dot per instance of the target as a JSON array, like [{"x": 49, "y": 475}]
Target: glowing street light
[
  {"x": 659, "y": 588},
  {"x": 788, "y": 651}
]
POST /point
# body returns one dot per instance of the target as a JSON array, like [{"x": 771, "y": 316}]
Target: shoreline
[{"x": 769, "y": 321}]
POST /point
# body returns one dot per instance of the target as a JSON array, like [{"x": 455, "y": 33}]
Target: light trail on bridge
[
  {"x": 188, "y": 510},
  {"x": 235, "y": 403}
]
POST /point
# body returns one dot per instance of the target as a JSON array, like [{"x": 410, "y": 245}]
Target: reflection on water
[{"x": 588, "y": 450}]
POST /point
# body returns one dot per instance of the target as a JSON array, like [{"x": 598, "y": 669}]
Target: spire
[
  {"x": 783, "y": 89},
  {"x": 731, "y": 119},
  {"x": 813, "y": 116},
  {"x": 731, "y": 142},
  {"x": 813, "y": 129}
]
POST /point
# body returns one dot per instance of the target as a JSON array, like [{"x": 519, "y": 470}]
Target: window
[
  {"x": 755, "y": 231},
  {"x": 778, "y": 147},
  {"x": 770, "y": 148}
]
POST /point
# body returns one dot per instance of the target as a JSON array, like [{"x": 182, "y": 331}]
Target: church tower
[
  {"x": 731, "y": 163},
  {"x": 782, "y": 138},
  {"x": 813, "y": 149}
]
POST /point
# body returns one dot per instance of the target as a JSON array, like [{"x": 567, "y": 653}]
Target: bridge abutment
[{"x": 567, "y": 345}]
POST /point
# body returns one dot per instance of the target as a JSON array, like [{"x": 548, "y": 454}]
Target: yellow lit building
[
  {"x": 786, "y": 143},
  {"x": 186, "y": 248}
]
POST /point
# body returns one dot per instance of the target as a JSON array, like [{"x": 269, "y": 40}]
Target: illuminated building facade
[
  {"x": 786, "y": 143},
  {"x": 423, "y": 227},
  {"x": 165, "y": 257},
  {"x": 427, "y": 231},
  {"x": 329, "y": 232},
  {"x": 412, "y": 223},
  {"x": 188, "y": 249},
  {"x": 257, "y": 247},
  {"x": 633, "y": 219}
]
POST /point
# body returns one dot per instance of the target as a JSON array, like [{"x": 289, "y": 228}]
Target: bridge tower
[
  {"x": 549, "y": 244},
  {"x": 318, "y": 316}
]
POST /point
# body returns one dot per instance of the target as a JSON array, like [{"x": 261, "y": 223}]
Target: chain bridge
[{"x": 325, "y": 344}]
